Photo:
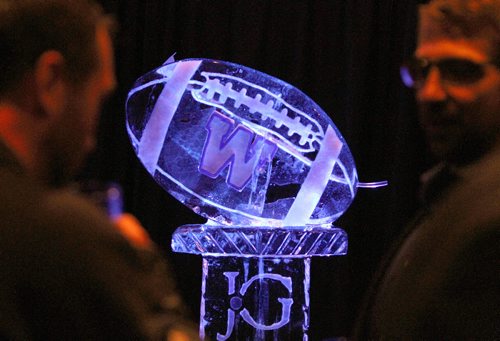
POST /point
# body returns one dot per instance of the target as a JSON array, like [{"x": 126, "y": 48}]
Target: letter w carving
[{"x": 240, "y": 148}]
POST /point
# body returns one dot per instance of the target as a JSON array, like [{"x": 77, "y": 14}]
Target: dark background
[{"x": 345, "y": 54}]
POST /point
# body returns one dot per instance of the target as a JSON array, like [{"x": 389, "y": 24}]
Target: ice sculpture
[{"x": 268, "y": 169}]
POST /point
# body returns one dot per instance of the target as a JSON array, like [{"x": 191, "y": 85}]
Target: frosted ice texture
[{"x": 240, "y": 147}]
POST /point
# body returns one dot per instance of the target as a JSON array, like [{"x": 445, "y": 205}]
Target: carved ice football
[{"x": 240, "y": 147}]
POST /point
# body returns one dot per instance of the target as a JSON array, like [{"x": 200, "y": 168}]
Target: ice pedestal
[{"x": 256, "y": 279}]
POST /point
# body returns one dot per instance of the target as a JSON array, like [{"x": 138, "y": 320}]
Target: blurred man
[
  {"x": 441, "y": 281},
  {"x": 66, "y": 271}
]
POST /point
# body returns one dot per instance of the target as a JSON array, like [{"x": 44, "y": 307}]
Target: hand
[{"x": 130, "y": 227}]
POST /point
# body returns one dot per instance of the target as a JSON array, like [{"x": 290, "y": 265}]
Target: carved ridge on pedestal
[{"x": 260, "y": 241}]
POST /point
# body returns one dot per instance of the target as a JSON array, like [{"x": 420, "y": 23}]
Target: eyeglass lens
[{"x": 452, "y": 70}]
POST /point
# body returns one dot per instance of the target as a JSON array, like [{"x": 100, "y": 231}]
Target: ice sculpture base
[
  {"x": 256, "y": 279},
  {"x": 241, "y": 241}
]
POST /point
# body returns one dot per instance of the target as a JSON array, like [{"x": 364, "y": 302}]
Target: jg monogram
[{"x": 236, "y": 302}]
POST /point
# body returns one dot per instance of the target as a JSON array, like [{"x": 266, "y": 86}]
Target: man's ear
[{"x": 50, "y": 82}]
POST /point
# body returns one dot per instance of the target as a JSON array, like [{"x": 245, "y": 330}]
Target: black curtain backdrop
[{"x": 344, "y": 54}]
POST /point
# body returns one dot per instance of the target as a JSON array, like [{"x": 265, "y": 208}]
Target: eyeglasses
[{"x": 454, "y": 71}]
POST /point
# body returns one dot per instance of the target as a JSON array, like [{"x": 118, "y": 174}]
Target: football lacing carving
[{"x": 265, "y": 104}]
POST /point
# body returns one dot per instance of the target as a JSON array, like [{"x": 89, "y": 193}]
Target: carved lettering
[{"x": 240, "y": 149}]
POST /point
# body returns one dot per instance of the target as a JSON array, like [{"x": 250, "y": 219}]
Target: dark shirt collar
[{"x": 437, "y": 180}]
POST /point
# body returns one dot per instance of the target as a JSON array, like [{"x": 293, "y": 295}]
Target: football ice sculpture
[{"x": 240, "y": 147}]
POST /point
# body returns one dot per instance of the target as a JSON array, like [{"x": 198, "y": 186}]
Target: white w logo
[{"x": 239, "y": 148}]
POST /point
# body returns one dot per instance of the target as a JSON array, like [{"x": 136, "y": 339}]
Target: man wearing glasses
[{"x": 442, "y": 279}]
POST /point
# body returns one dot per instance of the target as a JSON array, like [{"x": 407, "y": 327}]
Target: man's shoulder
[{"x": 30, "y": 209}]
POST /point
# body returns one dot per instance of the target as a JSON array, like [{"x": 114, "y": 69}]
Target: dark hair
[
  {"x": 468, "y": 19},
  {"x": 30, "y": 27}
]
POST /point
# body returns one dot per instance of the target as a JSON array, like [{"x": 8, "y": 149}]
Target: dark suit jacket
[
  {"x": 442, "y": 281},
  {"x": 66, "y": 274}
]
